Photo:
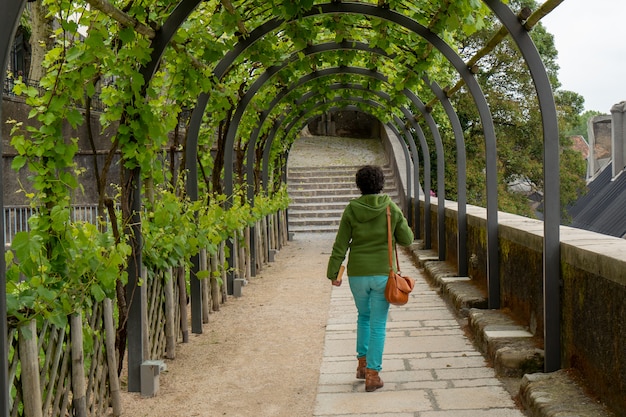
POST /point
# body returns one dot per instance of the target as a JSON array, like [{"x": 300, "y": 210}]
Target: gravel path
[{"x": 260, "y": 355}]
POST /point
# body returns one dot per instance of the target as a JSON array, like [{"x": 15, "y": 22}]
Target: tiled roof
[
  {"x": 580, "y": 144},
  {"x": 603, "y": 208}
]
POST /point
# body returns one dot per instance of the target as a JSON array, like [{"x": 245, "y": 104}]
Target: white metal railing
[{"x": 16, "y": 218}]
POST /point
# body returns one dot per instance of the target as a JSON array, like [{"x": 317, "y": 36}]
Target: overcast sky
[{"x": 589, "y": 36}]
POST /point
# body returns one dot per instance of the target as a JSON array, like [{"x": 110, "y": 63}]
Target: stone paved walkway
[{"x": 430, "y": 368}]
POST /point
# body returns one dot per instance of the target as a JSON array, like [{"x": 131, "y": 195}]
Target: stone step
[
  {"x": 336, "y": 183},
  {"x": 323, "y": 192},
  {"x": 318, "y": 189},
  {"x": 321, "y": 200},
  {"x": 313, "y": 180},
  {"x": 314, "y": 222},
  {"x": 510, "y": 346},
  {"x": 318, "y": 229},
  {"x": 295, "y": 213},
  {"x": 312, "y": 206},
  {"x": 328, "y": 174},
  {"x": 319, "y": 195},
  {"x": 330, "y": 168}
]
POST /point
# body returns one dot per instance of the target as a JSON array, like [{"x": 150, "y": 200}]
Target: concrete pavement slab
[{"x": 430, "y": 367}]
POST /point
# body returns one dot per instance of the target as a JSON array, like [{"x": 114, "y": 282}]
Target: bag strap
[{"x": 389, "y": 242}]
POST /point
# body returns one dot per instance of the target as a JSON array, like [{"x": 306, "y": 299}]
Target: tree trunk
[{"x": 40, "y": 39}]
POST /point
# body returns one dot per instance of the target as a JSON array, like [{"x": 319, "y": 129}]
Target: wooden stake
[
  {"x": 29, "y": 359},
  {"x": 79, "y": 400},
  {"x": 182, "y": 302},
  {"x": 205, "y": 286},
  {"x": 109, "y": 340},
  {"x": 170, "y": 325}
]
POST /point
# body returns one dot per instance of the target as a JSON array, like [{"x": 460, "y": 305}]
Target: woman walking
[{"x": 363, "y": 230}]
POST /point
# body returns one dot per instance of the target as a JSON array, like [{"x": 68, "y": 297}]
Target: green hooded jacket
[{"x": 363, "y": 230}]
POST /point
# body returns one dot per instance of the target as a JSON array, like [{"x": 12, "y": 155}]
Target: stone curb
[
  {"x": 511, "y": 348},
  {"x": 558, "y": 394}
]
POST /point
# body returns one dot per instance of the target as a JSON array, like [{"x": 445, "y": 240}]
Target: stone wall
[
  {"x": 351, "y": 124},
  {"x": 15, "y": 108},
  {"x": 593, "y": 276}
]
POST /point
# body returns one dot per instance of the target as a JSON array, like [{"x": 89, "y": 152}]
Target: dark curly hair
[{"x": 370, "y": 179}]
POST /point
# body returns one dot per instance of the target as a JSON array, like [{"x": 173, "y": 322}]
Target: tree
[
  {"x": 508, "y": 86},
  {"x": 580, "y": 127},
  {"x": 41, "y": 39}
]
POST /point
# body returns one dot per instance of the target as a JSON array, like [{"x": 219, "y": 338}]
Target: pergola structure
[{"x": 284, "y": 115}]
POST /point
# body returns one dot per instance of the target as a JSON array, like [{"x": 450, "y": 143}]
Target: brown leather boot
[
  {"x": 372, "y": 380},
  {"x": 360, "y": 370}
]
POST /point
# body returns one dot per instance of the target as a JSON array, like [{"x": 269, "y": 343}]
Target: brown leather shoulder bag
[{"x": 398, "y": 286}]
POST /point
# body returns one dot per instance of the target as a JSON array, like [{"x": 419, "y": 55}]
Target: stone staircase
[{"x": 319, "y": 195}]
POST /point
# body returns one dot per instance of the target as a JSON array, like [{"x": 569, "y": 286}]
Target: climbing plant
[{"x": 104, "y": 48}]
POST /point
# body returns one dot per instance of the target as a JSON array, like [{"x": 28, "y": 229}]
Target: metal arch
[
  {"x": 381, "y": 77},
  {"x": 326, "y": 72},
  {"x": 475, "y": 90},
  {"x": 424, "y": 145},
  {"x": 307, "y": 51},
  {"x": 304, "y": 112},
  {"x": 337, "y": 86},
  {"x": 191, "y": 187},
  {"x": 411, "y": 142},
  {"x": 425, "y": 158},
  {"x": 427, "y": 184},
  {"x": 159, "y": 43},
  {"x": 229, "y": 143},
  {"x": 437, "y": 138},
  {"x": 238, "y": 114},
  {"x": 165, "y": 34},
  {"x": 422, "y": 139},
  {"x": 488, "y": 130},
  {"x": 551, "y": 176},
  {"x": 441, "y": 202},
  {"x": 461, "y": 173},
  {"x": 135, "y": 298},
  {"x": 254, "y": 88},
  {"x": 11, "y": 12},
  {"x": 350, "y": 86},
  {"x": 279, "y": 121}
]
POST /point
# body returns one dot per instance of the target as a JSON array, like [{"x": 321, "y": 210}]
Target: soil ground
[{"x": 259, "y": 355}]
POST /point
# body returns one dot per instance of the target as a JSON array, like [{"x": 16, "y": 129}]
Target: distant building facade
[{"x": 602, "y": 209}]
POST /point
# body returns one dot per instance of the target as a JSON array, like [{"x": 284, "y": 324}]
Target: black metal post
[
  {"x": 551, "y": 186},
  {"x": 135, "y": 297},
  {"x": 461, "y": 164}
]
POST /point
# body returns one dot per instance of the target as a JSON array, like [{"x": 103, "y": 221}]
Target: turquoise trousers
[{"x": 372, "y": 307}]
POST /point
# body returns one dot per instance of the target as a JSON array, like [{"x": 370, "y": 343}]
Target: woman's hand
[{"x": 336, "y": 282}]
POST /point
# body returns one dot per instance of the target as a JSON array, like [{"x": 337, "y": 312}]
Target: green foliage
[
  {"x": 175, "y": 229},
  {"x": 55, "y": 274},
  {"x": 508, "y": 86},
  {"x": 94, "y": 53},
  {"x": 579, "y": 125}
]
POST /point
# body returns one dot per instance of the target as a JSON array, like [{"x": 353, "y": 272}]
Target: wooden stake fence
[{"x": 60, "y": 378}]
